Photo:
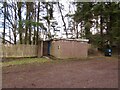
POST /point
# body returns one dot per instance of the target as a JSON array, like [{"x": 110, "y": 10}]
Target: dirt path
[{"x": 94, "y": 73}]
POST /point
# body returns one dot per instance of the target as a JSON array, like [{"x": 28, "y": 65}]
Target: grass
[
  {"x": 25, "y": 61},
  {"x": 42, "y": 60}
]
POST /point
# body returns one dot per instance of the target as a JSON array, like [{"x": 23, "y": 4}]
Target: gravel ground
[{"x": 96, "y": 72}]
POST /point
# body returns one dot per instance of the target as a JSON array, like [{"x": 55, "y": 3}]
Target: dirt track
[{"x": 94, "y": 73}]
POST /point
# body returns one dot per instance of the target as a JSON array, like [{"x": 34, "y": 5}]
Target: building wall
[
  {"x": 45, "y": 48},
  {"x": 69, "y": 49},
  {"x": 62, "y": 49},
  {"x": 40, "y": 49}
]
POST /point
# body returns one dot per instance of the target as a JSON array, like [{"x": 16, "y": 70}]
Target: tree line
[
  {"x": 26, "y": 25},
  {"x": 104, "y": 17}
]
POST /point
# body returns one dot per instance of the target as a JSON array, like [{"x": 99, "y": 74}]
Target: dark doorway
[
  {"x": 46, "y": 48},
  {"x": 49, "y": 44}
]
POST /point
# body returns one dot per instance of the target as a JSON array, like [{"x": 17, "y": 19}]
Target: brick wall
[{"x": 69, "y": 49}]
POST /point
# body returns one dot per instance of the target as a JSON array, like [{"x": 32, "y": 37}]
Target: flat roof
[{"x": 80, "y": 40}]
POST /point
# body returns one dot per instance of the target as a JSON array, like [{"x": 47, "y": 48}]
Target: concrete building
[{"x": 69, "y": 48}]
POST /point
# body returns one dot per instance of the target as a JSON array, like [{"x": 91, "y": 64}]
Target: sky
[{"x": 65, "y": 11}]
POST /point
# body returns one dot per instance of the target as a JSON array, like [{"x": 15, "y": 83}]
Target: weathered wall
[
  {"x": 19, "y": 51},
  {"x": 69, "y": 49},
  {"x": 61, "y": 49},
  {"x": 40, "y": 49},
  {"x": 45, "y": 48},
  {"x": 1, "y": 52}
]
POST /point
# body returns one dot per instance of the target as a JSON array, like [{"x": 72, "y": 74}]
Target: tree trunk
[
  {"x": 15, "y": 25},
  {"x": 5, "y": 4},
  {"x": 37, "y": 25},
  {"x": 101, "y": 30},
  {"x": 26, "y": 26},
  {"x": 77, "y": 30},
  {"x": 29, "y": 29},
  {"x": 10, "y": 35},
  {"x": 82, "y": 32},
  {"x": 20, "y": 21},
  {"x": 34, "y": 42}
]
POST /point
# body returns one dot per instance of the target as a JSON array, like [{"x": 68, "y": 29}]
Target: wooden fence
[{"x": 18, "y": 51}]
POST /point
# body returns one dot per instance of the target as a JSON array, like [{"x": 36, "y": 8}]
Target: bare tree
[
  {"x": 26, "y": 23},
  {"x": 4, "y": 5},
  {"x": 34, "y": 17},
  {"x": 38, "y": 12},
  {"x": 19, "y": 5},
  {"x": 12, "y": 18},
  {"x": 64, "y": 24}
]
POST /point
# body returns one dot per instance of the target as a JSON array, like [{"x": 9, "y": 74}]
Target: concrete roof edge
[{"x": 80, "y": 40}]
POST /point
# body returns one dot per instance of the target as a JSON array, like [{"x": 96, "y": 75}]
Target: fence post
[{"x": 40, "y": 49}]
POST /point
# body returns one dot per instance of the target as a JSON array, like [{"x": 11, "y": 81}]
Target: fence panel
[{"x": 18, "y": 51}]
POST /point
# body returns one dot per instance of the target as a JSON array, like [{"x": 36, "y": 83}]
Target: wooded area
[{"x": 104, "y": 17}]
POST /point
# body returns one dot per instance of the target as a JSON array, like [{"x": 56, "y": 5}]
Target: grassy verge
[{"x": 25, "y": 61}]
